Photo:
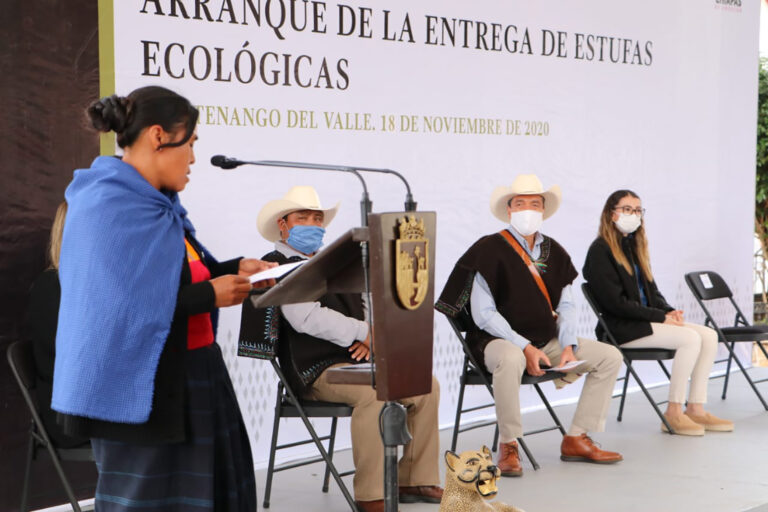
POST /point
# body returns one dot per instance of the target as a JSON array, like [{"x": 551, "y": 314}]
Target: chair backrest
[
  {"x": 587, "y": 291},
  {"x": 459, "y": 326},
  {"x": 707, "y": 285},
  {"x": 259, "y": 331},
  {"x": 22, "y": 362}
]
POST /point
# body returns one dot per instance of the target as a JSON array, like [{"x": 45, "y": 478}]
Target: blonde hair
[
  {"x": 57, "y": 229},
  {"x": 613, "y": 236}
]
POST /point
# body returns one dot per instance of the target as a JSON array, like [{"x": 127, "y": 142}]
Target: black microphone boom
[
  {"x": 410, "y": 205},
  {"x": 365, "y": 203}
]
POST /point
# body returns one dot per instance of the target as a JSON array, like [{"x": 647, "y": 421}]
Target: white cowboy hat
[
  {"x": 524, "y": 184},
  {"x": 296, "y": 199}
]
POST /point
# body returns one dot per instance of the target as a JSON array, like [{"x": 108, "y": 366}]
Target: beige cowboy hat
[
  {"x": 298, "y": 198},
  {"x": 524, "y": 184}
]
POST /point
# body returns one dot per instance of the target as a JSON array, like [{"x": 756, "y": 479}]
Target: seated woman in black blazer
[{"x": 618, "y": 271}]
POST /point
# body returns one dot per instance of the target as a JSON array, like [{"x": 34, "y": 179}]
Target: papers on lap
[{"x": 568, "y": 366}]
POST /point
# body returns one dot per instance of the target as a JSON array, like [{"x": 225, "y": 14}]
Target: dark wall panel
[{"x": 48, "y": 74}]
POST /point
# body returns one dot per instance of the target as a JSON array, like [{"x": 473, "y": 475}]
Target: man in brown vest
[
  {"x": 516, "y": 285},
  {"x": 315, "y": 336}
]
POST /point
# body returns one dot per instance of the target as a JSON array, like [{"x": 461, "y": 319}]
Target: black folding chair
[
  {"x": 708, "y": 285},
  {"x": 475, "y": 375},
  {"x": 258, "y": 339},
  {"x": 22, "y": 363},
  {"x": 630, "y": 355}
]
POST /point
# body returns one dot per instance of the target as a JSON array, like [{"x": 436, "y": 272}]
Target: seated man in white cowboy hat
[
  {"x": 517, "y": 284},
  {"x": 315, "y": 336}
]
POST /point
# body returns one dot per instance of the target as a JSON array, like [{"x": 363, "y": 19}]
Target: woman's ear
[{"x": 156, "y": 136}]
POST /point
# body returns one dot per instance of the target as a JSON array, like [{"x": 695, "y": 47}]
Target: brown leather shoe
[
  {"x": 582, "y": 448},
  {"x": 509, "y": 460},
  {"x": 370, "y": 506},
  {"x": 421, "y": 494}
]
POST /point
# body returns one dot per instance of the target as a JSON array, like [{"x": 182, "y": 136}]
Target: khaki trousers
[
  {"x": 506, "y": 362},
  {"x": 419, "y": 463},
  {"x": 695, "y": 349}
]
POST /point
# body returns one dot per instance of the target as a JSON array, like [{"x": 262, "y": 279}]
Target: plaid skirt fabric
[{"x": 211, "y": 470}]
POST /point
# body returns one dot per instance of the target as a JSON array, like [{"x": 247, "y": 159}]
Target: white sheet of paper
[
  {"x": 362, "y": 367},
  {"x": 565, "y": 367},
  {"x": 274, "y": 273},
  {"x": 706, "y": 281}
]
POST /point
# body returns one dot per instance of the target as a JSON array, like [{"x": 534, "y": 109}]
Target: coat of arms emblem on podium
[{"x": 412, "y": 262}]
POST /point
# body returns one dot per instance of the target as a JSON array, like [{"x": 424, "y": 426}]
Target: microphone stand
[
  {"x": 365, "y": 202},
  {"x": 410, "y": 204},
  {"x": 392, "y": 418}
]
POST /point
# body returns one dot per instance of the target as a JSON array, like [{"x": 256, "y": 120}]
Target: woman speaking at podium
[{"x": 137, "y": 367}]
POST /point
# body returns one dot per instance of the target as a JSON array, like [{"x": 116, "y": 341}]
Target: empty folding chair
[{"x": 708, "y": 285}]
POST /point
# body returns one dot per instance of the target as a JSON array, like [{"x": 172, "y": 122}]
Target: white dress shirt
[{"x": 318, "y": 321}]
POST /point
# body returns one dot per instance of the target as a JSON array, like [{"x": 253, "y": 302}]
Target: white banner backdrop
[{"x": 655, "y": 96}]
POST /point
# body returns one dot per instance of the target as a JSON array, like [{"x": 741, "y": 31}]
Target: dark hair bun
[{"x": 110, "y": 113}]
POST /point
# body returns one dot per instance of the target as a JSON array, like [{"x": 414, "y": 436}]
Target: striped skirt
[{"x": 211, "y": 470}]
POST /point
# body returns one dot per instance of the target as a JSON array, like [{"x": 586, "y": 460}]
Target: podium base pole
[
  {"x": 394, "y": 433},
  {"x": 391, "y": 493}
]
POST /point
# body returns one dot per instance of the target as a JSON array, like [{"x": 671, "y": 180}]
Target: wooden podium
[{"x": 401, "y": 269}]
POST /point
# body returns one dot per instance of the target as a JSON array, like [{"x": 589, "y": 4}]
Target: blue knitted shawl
[{"x": 120, "y": 268}]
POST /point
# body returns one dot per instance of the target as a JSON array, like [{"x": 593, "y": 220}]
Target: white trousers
[{"x": 695, "y": 346}]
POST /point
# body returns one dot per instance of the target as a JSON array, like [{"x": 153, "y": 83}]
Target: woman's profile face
[
  {"x": 174, "y": 162},
  {"x": 628, "y": 205}
]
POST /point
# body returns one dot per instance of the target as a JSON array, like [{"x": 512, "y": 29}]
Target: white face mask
[
  {"x": 526, "y": 222},
  {"x": 628, "y": 223}
]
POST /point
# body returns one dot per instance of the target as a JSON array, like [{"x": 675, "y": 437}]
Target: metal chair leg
[
  {"x": 331, "y": 443},
  {"x": 459, "y": 405},
  {"x": 746, "y": 376},
  {"x": 549, "y": 409},
  {"x": 727, "y": 369},
  {"x": 624, "y": 389},
  {"x": 762, "y": 348},
  {"x": 651, "y": 400},
  {"x": 272, "y": 447},
  {"x": 664, "y": 369},
  {"x": 329, "y": 463},
  {"x": 63, "y": 478},
  {"x": 528, "y": 453},
  {"x": 27, "y": 471},
  {"x": 496, "y": 438}
]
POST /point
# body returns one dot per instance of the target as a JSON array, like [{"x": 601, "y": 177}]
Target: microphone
[{"x": 226, "y": 162}]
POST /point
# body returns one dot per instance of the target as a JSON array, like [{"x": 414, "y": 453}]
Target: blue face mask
[{"x": 306, "y": 239}]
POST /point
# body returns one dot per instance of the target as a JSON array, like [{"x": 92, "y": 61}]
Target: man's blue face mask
[{"x": 306, "y": 239}]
